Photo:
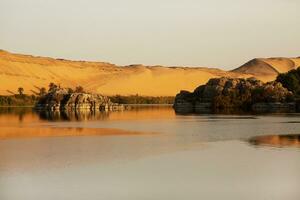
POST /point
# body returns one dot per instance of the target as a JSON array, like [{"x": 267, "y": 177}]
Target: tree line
[{"x": 137, "y": 99}]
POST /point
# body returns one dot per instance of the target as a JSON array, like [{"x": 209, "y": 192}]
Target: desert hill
[
  {"x": 268, "y": 68},
  {"x": 31, "y": 72}
]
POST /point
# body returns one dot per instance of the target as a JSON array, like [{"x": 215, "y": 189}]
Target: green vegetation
[
  {"x": 291, "y": 81},
  {"x": 244, "y": 99},
  {"x": 232, "y": 99},
  {"x": 136, "y": 99}
]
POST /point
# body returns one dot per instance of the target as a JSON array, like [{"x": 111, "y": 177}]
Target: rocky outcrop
[
  {"x": 184, "y": 102},
  {"x": 223, "y": 93},
  {"x": 62, "y": 99}
]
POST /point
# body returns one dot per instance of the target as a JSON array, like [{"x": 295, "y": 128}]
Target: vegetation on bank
[
  {"x": 291, "y": 81},
  {"x": 136, "y": 99},
  {"x": 23, "y": 99},
  {"x": 17, "y": 100}
]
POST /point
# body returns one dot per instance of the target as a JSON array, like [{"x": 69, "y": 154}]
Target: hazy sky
[{"x": 215, "y": 33}]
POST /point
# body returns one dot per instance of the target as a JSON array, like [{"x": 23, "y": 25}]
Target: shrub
[{"x": 291, "y": 81}]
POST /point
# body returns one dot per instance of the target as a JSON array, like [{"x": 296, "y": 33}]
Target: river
[{"x": 148, "y": 153}]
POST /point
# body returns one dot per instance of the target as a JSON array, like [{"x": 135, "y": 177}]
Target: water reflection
[
  {"x": 24, "y": 122},
  {"x": 15, "y": 111},
  {"x": 292, "y": 122},
  {"x": 276, "y": 141},
  {"x": 28, "y": 123},
  {"x": 75, "y": 115},
  {"x": 186, "y": 157},
  {"x": 131, "y": 112}
]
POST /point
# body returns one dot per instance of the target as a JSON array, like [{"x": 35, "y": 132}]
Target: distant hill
[
  {"x": 31, "y": 72},
  {"x": 268, "y": 68}
]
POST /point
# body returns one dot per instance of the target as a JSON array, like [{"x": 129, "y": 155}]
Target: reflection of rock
[
  {"x": 277, "y": 140},
  {"x": 274, "y": 107},
  {"x": 224, "y": 93},
  {"x": 69, "y": 115},
  {"x": 20, "y": 111},
  {"x": 61, "y": 99}
]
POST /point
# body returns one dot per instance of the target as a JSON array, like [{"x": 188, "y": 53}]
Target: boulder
[
  {"x": 232, "y": 92},
  {"x": 184, "y": 102},
  {"x": 61, "y": 99}
]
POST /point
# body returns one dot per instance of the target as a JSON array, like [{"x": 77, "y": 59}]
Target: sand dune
[
  {"x": 31, "y": 72},
  {"x": 268, "y": 68}
]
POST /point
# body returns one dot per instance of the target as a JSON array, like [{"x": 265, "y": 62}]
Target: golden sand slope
[
  {"x": 31, "y": 72},
  {"x": 268, "y": 68}
]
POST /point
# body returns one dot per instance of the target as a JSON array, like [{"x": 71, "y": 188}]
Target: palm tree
[
  {"x": 52, "y": 86},
  {"x": 21, "y": 91},
  {"x": 79, "y": 89},
  {"x": 42, "y": 91}
]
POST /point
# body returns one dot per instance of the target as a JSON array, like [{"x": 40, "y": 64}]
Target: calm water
[{"x": 148, "y": 154}]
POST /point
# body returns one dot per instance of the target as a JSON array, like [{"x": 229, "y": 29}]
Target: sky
[{"x": 209, "y": 33}]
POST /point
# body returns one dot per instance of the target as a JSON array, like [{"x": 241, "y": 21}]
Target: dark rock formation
[
  {"x": 223, "y": 93},
  {"x": 184, "y": 102},
  {"x": 62, "y": 99}
]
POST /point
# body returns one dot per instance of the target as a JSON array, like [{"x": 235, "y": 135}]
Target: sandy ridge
[{"x": 31, "y": 72}]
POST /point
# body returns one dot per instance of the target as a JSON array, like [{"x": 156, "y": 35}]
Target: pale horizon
[{"x": 171, "y": 33}]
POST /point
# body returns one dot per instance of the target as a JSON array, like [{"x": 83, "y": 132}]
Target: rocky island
[
  {"x": 63, "y": 99},
  {"x": 236, "y": 94}
]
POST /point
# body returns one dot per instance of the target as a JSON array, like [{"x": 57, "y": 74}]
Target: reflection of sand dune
[
  {"x": 28, "y": 115},
  {"x": 29, "y": 132},
  {"x": 277, "y": 140},
  {"x": 21, "y": 123}
]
